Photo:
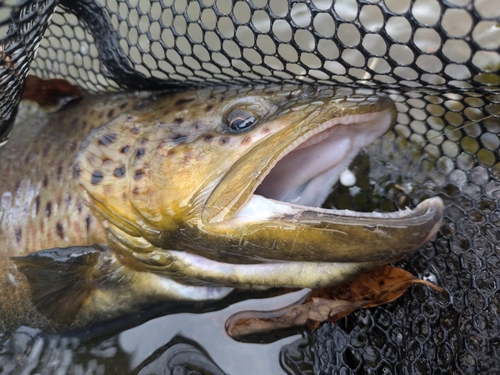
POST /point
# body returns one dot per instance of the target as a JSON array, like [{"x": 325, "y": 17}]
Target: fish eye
[{"x": 239, "y": 120}]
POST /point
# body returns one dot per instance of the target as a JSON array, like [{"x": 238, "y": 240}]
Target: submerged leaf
[{"x": 372, "y": 288}]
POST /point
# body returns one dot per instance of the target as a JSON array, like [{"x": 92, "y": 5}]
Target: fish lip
[{"x": 218, "y": 210}]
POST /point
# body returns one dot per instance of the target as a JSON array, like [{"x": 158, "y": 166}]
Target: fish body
[
  {"x": 40, "y": 205},
  {"x": 133, "y": 199}
]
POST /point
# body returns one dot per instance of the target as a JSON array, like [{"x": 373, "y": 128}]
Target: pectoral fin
[
  {"x": 62, "y": 279},
  {"x": 91, "y": 284}
]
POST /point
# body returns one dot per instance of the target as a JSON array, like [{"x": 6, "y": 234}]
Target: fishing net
[{"x": 439, "y": 61}]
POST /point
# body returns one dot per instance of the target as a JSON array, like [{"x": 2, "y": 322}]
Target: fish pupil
[
  {"x": 239, "y": 121},
  {"x": 242, "y": 123}
]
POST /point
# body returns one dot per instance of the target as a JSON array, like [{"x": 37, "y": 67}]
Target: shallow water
[{"x": 178, "y": 343}]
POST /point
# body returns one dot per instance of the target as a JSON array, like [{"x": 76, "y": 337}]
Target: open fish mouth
[{"x": 279, "y": 186}]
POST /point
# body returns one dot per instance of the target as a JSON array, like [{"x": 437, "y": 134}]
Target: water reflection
[
  {"x": 208, "y": 331},
  {"x": 174, "y": 344}
]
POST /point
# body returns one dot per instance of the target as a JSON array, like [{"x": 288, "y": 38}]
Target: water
[{"x": 163, "y": 345}]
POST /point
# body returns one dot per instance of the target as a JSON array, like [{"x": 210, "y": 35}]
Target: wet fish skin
[
  {"x": 153, "y": 177},
  {"x": 40, "y": 206}
]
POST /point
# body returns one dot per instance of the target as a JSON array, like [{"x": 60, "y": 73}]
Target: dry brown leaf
[
  {"x": 53, "y": 93},
  {"x": 372, "y": 288}
]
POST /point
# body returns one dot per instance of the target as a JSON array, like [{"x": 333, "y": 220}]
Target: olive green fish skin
[
  {"x": 167, "y": 187},
  {"x": 41, "y": 206}
]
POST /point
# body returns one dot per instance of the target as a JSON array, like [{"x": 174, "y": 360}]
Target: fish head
[{"x": 241, "y": 172}]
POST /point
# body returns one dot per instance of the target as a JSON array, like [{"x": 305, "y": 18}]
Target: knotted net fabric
[{"x": 438, "y": 60}]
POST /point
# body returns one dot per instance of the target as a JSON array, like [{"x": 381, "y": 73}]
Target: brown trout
[{"x": 128, "y": 200}]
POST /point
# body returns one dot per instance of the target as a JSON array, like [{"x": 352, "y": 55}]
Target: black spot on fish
[
  {"x": 107, "y": 139},
  {"x": 84, "y": 124},
  {"x": 45, "y": 181},
  {"x": 223, "y": 140},
  {"x": 135, "y": 190},
  {"x": 19, "y": 235},
  {"x": 79, "y": 206},
  {"x": 96, "y": 177},
  {"x": 37, "y": 204},
  {"x": 123, "y": 105},
  {"x": 125, "y": 149},
  {"x": 134, "y": 129},
  {"x": 88, "y": 219},
  {"x": 77, "y": 171},
  {"x": 60, "y": 230},
  {"x": 183, "y": 101},
  {"x": 111, "y": 113},
  {"x": 120, "y": 171},
  {"x": 196, "y": 125},
  {"x": 48, "y": 209},
  {"x": 208, "y": 137},
  {"x": 59, "y": 171},
  {"x": 178, "y": 121},
  {"x": 138, "y": 174},
  {"x": 140, "y": 153},
  {"x": 179, "y": 139},
  {"x": 209, "y": 108}
]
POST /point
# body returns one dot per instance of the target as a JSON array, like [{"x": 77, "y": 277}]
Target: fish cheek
[{"x": 174, "y": 177}]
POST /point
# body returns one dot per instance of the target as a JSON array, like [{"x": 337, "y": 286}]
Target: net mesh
[
  {"x": 426, "y": 332},
  {"x": 440, "y": 63},
  {"x": 395, "y": 43}
]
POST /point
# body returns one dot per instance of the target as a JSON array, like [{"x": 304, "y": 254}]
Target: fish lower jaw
[{"x": 260, "y": 209}]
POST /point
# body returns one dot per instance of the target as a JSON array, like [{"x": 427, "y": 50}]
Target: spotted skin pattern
[
  {"x": 40, "y": 203},
  {"x": 160, "y": 182}
]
